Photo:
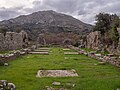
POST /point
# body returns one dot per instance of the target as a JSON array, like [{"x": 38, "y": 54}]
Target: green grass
[
  {"x": 3, "y": 52},
  {"x": 22, "y": 72},
  {"x": 90, "y": 50}
]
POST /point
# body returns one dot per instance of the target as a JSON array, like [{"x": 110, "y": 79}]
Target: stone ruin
[
  {"x": 13, "y": 40},
  {"x": 4, "y": 58},
  {"x": 41, "y": 51},
  {"x": 56, "y": 73},
  {"x": 5, "y": 85},
  {"x": 60, "y": 39},
  {"x": 94, "y": 41},
  {"x": 102, "y": 58}
]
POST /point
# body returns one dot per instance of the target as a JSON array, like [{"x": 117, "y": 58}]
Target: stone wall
[
  {"x": 13, "y": 40},
  {"x": 57, "y": 39},
  {"x": 94, "y": 41}
]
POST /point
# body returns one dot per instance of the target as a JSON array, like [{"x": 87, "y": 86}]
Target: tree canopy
[{"x": 106, "y": 22}]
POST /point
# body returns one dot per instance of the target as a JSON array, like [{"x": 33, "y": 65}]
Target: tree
[
  {"x": 103, "y": 22},
  {"x": 115, "y": 21},
  {"x": 112, "y": 37},
  {"x": 106, "y": 22}
]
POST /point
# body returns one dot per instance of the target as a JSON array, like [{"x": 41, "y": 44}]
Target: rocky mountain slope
[{"x": 46, "y": 22}]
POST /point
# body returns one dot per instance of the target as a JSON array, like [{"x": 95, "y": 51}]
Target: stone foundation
[{"x": 56, "y": 73}]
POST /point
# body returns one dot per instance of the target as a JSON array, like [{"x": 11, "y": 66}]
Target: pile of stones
[{"x": 5, "y": 85}]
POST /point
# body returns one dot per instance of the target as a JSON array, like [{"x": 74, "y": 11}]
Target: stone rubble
[{"x": 5, "y": 85}]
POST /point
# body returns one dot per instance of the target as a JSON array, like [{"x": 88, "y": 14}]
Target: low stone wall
[
  {"x": 4, "y": 58},
  {"x": 110, "y": 59}
]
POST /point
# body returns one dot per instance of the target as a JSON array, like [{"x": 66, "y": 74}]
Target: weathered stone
[
  {"x": 6, "y": 64},
  {"x": 70, "y": 84},
  {"x": 56, "y": 83},
  {"x": 11, "y": 86},
  {"x": 110, "y": 55},
  {"x": 98, "y": 55},
  {"x": 68, "y": 53},
  {"x": 94, "y": 40},
  {"x": 13, "y": 40},
  {"x": 44, "y": 53},
  {"x": 66, "y": 49},
  {"x": 56, "y": 73}
]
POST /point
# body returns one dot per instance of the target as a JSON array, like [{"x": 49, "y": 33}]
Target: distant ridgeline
[
  {"x": 46, "y": 22},
  {"x": 13, "y": 40}
]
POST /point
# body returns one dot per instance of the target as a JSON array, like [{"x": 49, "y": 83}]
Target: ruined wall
[
  {"x": 94, "y": 41},
  {"x": 57, "y": 39},
  {"x": 13, "y": 40}
]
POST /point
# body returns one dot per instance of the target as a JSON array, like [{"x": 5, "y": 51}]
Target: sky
[{"x": 84, "y": 10}]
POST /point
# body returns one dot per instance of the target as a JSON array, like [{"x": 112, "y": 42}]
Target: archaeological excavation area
[
  {"x": 55, "y": 68},
  {"x": 49, "y": 50}
]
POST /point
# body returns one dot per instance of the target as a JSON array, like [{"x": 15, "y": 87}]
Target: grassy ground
[
  {"x": 3, "y": 52},
  {"x": 22, "y": 72},
  {"x": 89, "y": 50}
]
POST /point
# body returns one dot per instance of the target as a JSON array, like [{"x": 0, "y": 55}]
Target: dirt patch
[{"x": 56, "y": 73}]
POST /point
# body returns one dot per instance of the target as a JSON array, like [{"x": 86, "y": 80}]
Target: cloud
[
  {"x": 7, "y": 13},
  {"x": 84, "y": 10}
]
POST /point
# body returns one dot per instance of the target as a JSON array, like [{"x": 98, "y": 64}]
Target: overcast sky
[{"x": 84, "y": 10}]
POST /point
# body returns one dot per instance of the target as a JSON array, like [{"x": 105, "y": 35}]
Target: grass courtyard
[{"x": 22, "y": 72}]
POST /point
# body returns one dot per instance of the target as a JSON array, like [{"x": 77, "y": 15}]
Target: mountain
[{"x": 46, "y": 22}]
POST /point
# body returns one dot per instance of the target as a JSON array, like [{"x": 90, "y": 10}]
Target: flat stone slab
[
  {"x": 56, "y": 73},
  {"x": 66, "y": 49},
  {"x": 69, "y": 53},
  {"x": 41, "y": 50},
  {"x": 44, "y": 53}
]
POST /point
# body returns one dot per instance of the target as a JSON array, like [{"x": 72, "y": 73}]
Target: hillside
[{"x": 46, "y": 22}]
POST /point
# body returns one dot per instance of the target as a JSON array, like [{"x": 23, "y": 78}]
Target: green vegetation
[
  {"x": 91, "y": 50},
  {"x": 106, "y": 22},
  {"x": 22, "y": 72},
  {"x": 3, "y": 52}
]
